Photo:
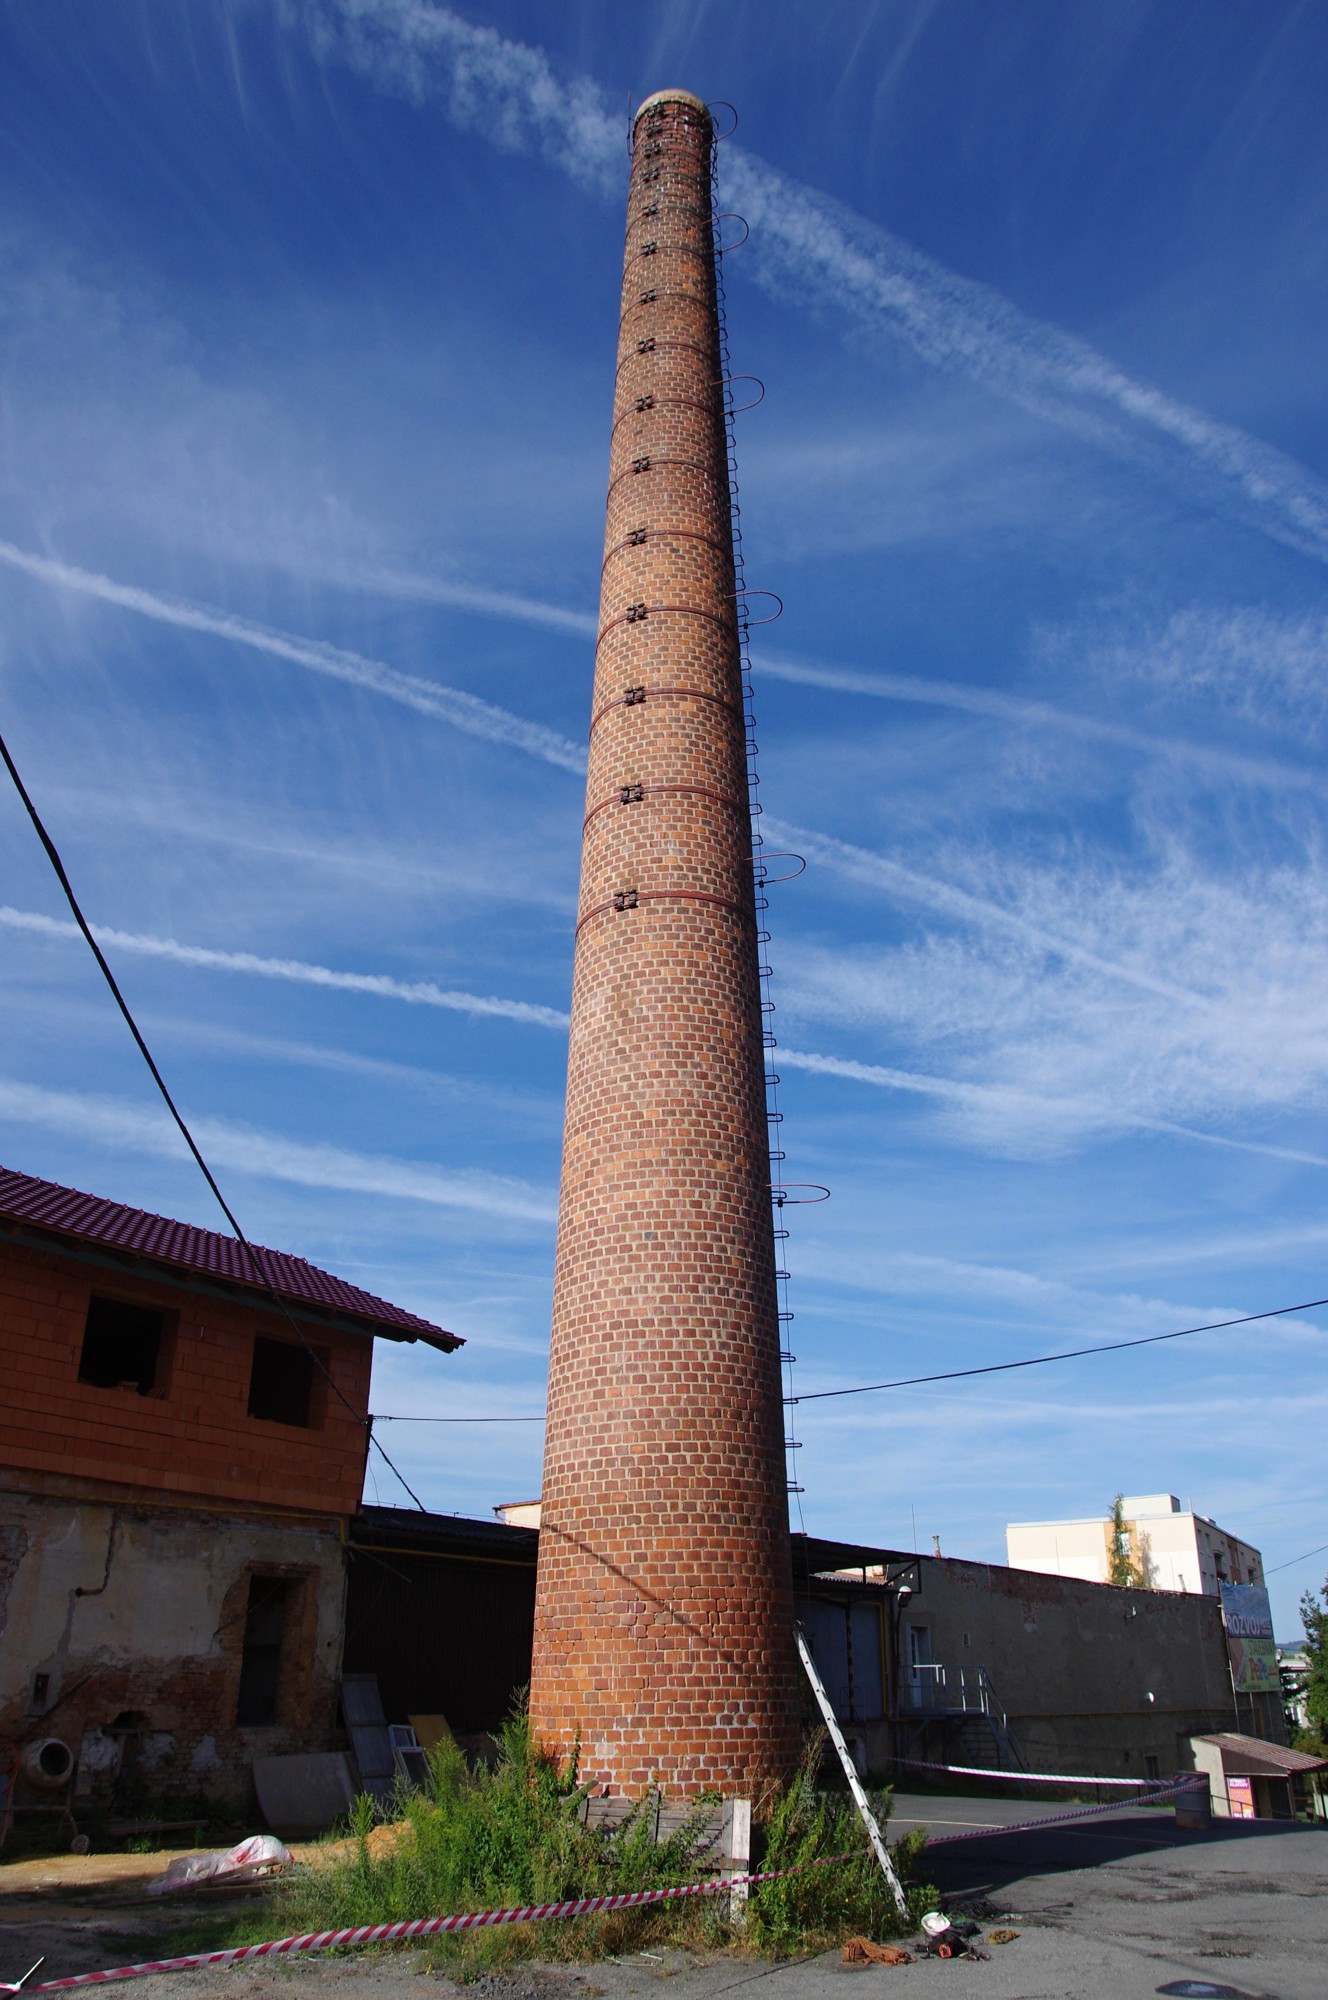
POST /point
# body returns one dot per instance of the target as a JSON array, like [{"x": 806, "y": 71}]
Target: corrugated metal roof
[
  {"x": 442, "y": 1534},
  {"x": 91, "y": 1219},
  {"x": 1258, "y": 1758}
]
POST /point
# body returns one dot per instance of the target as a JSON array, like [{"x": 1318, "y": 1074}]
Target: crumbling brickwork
[
  {"x": 663, "y": 1637},
  {"x": 122, "y": 1634}
]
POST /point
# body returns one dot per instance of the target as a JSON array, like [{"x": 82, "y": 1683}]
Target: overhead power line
[
  {"x": 261, "y": 1278},
  {"x": 959, "y": 1374},
  {"x": 1068, "y": 1354},
  {"x": 256, "y": 1270},
  {"x": 1321, "y": 1550}
]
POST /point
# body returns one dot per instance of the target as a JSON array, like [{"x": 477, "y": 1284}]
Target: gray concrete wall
[
  {"x": 135, "y": 1615},
  {"x": 1093, "y": 1679}
]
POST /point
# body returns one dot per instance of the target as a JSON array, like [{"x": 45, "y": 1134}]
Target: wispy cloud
[
  {"x": 1078, "y": 1116},
  {"x": 1001, "y": 1295},
  {"x": 804, "y": 239},
  {"x": 1079, "y": 996},
  {"x": 807, "y": 246},
  {"x": 444, "y": 704},
  {"x": 417, "y": 992},
  {"x": 507, "y": 90},
  {"x": 912, "y": 885},
  {"x": 535, "y": 1113},
  {"x": 115, "y": 1123},
  {"x": 1258, "y": 665},
  {"x": 1028, "y": 714}
]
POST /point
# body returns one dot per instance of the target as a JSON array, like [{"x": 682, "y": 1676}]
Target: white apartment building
[{"x": 1170, "y": 1547}]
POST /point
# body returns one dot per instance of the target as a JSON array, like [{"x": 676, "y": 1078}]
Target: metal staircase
[{"x": 955, "y": 1713}]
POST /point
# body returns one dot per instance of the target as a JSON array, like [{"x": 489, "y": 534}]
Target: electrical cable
[
  {"x": 261, "y": 1278},
  {"x": 1321, "y": 1550},
  {"x": 1069, "y": 1354},
  {"x": 257, "y": 1272},
  {"x": 380, "y": 1419}
]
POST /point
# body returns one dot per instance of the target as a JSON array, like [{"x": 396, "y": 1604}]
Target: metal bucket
[{"x": 1194, "y": 1806}]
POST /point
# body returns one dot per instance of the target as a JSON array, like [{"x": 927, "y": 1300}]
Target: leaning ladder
[{"x": 866, "y": 1814}]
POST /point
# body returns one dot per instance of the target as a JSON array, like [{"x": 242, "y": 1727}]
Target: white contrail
[
  {"x": 915, "y": 887},
  {"x": 806, "y": 245},
  {"x": 1008, "y": 1100},
  {"x": 111, "y": 1121},
  {"x": 506, "y": 90},
  {"x": 807, "y": 239},
  {"x": 970, "y": 700},
  {"x": 419, "y": 992},
  {"x": 469, "y": 597},
  {"x": 425, "y": 993},
  {"x": 432, "y": 698}
]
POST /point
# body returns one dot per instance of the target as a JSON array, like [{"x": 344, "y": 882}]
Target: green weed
[
  {"x": 819, "y": 1906},
  {"x": 516, "y": 1834}
]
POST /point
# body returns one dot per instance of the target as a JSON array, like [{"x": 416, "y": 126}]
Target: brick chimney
[{"x": 663, "y": 1625}]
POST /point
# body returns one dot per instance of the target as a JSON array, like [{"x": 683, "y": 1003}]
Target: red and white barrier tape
[
  {"x": 422, "y": 1927},
  {"x": 1161, "y": 1794},
  {"x": 527, "y": 1913},
  {"x": 1022, "y": 1777}
]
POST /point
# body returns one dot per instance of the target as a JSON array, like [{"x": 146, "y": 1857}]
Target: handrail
[{"x": 935, "y": 1686}]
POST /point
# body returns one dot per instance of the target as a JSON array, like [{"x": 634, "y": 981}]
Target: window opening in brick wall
[
  {"x": 281, "y": 1382},
  {"x": 1152, "y": 1768},
  {"x": 260, "y": 1656},
  {"x": 122, "y": 1346}
]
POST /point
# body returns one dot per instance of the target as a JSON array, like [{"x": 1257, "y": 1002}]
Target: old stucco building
[{"x": 180, "y": 1457}]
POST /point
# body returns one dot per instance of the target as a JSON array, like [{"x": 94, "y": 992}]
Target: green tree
[
  {"x": 1120, "y": 1567},
  {"x": 1314, "y": 1613}
]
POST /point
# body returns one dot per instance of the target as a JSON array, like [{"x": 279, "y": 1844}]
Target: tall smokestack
[{"x": 663, "y": 1624}]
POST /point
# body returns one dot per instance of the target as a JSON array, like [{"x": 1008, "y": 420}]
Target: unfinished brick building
[
  {"x": 663, "y": 1636},
  {"x": 180, "y": 1460}
]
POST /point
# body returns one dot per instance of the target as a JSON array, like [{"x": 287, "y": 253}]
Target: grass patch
[{"x": 516, "y": 1834}]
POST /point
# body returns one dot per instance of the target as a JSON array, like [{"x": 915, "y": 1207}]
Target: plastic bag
[{"x": 262, "y": 1854}]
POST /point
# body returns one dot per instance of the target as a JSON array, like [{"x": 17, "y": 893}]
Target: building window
[
  {"x": 260, "y": 1656},
  {"x": 1152, "y": 1769},
  {"x": 281, "y": 1382},
  {"x": 122, "y": 1346}
]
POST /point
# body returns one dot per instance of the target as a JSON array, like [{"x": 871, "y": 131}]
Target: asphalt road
[
  {"x": 1119, "y": 1907},
  {"x": 1123, "y": 1905}
]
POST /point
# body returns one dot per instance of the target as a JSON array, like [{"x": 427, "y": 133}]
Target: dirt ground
[
  {"x": 1123, "y": 1908},
  {"x": 85, "y": 1912}
]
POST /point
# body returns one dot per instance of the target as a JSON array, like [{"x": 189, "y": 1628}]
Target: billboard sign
[{"x": 1250, "y": 1645}]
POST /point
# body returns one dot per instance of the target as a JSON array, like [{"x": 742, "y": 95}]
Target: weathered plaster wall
[
  {"x": 1092, "y": 1678},
  {"x": 135, "y": 1614}
]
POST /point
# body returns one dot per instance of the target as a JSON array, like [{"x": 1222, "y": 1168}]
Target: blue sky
[{"x": 308, "y": 333}]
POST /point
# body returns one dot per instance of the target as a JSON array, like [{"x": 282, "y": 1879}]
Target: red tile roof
[{"x": 178, "y": 1245}]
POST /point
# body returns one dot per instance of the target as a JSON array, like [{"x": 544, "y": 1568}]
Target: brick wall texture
[
  {"x": 663, "y": 1632},
  {"x": 192, "y": 1437}
]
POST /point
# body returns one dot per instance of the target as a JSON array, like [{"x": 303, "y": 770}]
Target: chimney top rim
[{"x": 669, "y": 97}]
